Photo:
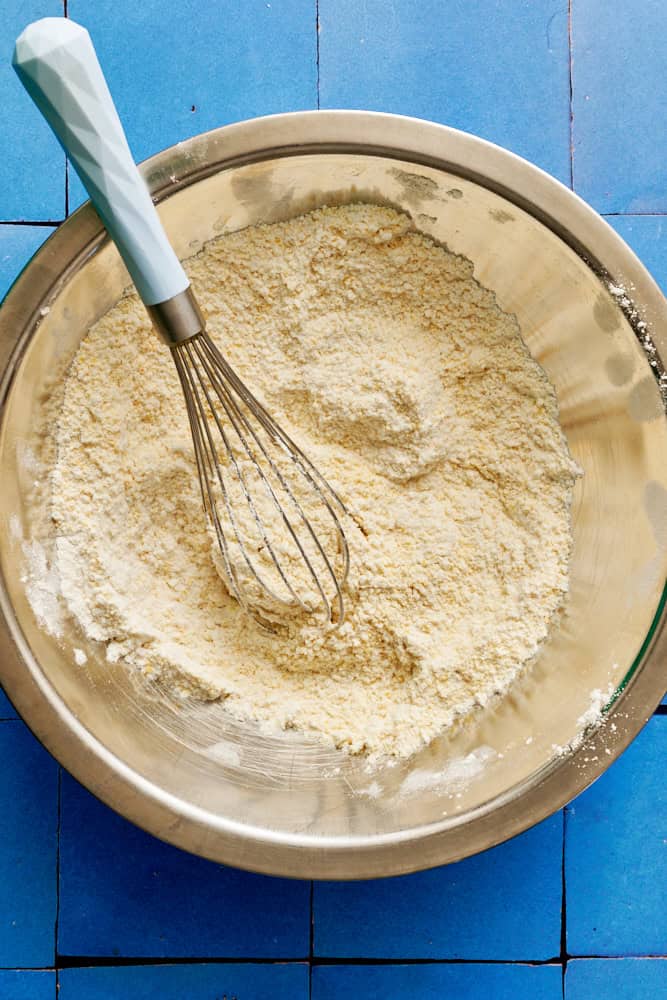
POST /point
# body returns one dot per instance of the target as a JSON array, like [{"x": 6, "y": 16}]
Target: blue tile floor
[{"x": 97, "y": 909}]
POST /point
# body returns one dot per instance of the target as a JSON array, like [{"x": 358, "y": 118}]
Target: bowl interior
[{"x": 613, "y": 417}]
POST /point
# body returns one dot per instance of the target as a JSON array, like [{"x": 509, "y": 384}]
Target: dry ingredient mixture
[{"x": 415, "y": 395}]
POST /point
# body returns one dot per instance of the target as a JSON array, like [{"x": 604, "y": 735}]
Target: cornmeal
[{"x": 416, "y": 397}]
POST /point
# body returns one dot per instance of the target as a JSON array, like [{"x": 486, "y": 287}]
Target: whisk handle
[{"x": 57, "y": 64}]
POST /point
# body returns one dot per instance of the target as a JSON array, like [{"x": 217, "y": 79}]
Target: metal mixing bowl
[{"x": 286, "y": 805}]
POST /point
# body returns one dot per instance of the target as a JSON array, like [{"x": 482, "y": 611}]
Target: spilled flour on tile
[{"x": 398, "y": 375}]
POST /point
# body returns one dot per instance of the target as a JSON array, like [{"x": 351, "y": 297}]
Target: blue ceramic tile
[
  {"x": 620, "y": 978},
  {"x": 6, "y": 707},
  {"x": 504, "y": 904},
  {"x": 497, "y": 69},
  {"x": 437, "y": 982},
  {"x": 27, "y": 984},
  {"x": 32, "y": 164},
  {"x": 647, "y": 235},
  {"x": 201, "y": 66},
  {"x": 124, "y": 893},
  {"x": 619, "y": 85},
  {"x": 186, "y": 982},
  {"x": 28, "y": 833},
  {"x": 17, "y": 245},
  {"x": 616, "y": 855}
]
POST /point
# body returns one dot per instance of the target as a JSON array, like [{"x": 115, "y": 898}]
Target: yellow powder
[{"x": 415, "y": 396}]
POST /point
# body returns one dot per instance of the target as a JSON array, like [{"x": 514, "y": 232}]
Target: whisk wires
[{"x": 276, "y": 520}]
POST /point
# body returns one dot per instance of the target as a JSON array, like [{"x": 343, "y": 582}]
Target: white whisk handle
[{"x": 57, "y": 64}]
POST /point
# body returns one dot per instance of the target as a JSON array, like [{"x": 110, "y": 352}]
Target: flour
[
  {"x": 399, "y": 376},
  {"x": 42, "y": 586},
  {"x": 591, "y": 719},
  {"x": 455, "y": 775},
  {"x": 595, "y": 711}
]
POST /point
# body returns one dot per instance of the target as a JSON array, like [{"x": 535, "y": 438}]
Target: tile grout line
[
  {"x": 571, "y": 82},
  {"x": 563, "y": 868},
  {"x": 115, "y": 961},
  {"x": 66, "y": 14},
  {"x": 27, "y": 968},
  {"x": 311, "y": 942},
  {"x": 396, "y": 960},
  {"x": 633, "y": 215},
  {"x": 48, "y": 223},
  {"x": 121, "y": 962},
  {"x": 317, "y": 48},
  {"x": 112, "y": 961}
]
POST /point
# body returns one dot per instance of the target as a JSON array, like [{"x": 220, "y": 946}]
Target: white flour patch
[
  {"x": 455, "y": 775},
  {"x": 595, "y": 711},
  {"x": 42, "y": 585}
]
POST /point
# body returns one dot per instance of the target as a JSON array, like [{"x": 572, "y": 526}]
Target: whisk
[{"x": 274, "y": 520}]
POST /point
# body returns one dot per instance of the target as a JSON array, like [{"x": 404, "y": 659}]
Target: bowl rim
[{"x": 300, "y": 855}]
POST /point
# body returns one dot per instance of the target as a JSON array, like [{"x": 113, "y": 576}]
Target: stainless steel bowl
[{"x": 284, "y": 805}]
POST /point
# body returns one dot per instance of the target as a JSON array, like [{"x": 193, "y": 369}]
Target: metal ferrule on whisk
[{"x": 177, "y": 319}]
